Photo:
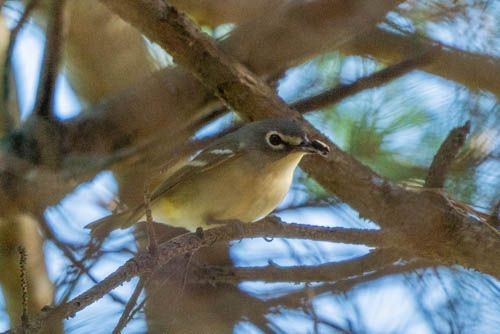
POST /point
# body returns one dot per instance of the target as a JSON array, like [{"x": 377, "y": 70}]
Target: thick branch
[
  {"x": 279, "y": 39},
  {"x": 146, "y": 263},
  {"x": 424, "y": 215},
  {"x": 475, "y": 71}
]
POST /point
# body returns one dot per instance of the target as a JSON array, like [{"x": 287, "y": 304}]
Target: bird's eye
[{"x": 275, "y": 140}]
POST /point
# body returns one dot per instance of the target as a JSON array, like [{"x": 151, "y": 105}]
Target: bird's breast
[{"x": 240, "y": 190}]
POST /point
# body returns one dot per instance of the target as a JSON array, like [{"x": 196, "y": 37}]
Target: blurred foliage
[{"x": 396, "y": 130}]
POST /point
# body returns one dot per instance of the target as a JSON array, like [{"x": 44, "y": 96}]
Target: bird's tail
[{"x": 101, "y": 228}]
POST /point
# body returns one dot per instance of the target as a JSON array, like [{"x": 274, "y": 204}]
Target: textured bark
[
  {"x": 148, "y": 107},
  {"x": 213, "y": 13},
  {"x": 172, "y": 248},
  {"x": 475, "y": 71},
  {"x": 23, "y": 231},
  {"x": 432, "y": 227}
]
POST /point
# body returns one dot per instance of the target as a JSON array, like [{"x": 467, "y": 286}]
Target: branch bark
[
  {"x": 145, "y": 263},
  {"x": 326, "y": 272},
  {"x": 425, "y": 214},
  {"x": 376, "y": 79},
  {"x": 475, "y": 71}
]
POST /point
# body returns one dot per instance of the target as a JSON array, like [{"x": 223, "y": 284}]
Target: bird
[{"x": 242, "y": 176}]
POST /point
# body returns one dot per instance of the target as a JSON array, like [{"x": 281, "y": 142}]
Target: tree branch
[
  {"x": 296, "y": 299},
  {"x": 146, "y": 263},
  {"x": 474, "y": 71},
  {"x": 374, "y": 80},
  {"x": 426, "y": 215},
  {"x": 319, "y": 273},
  {"x": 51, "y": 60},
  {"x": 125, "y": 317}
]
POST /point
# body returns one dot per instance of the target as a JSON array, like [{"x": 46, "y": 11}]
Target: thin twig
[
  {"x": 445, "y": 156},
  {"x": 50, "y": 235},
  {"x": 144, "y": 263},
  {"x": 376, "y": 79},
  {"x": 125, "y": 317},
  {"x": 24, "y": 288},
  {"x": 359, "y": 276}
]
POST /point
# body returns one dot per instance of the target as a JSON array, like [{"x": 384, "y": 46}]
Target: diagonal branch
[
  {"x": 426, "y": 215},
  {"x": 125, "y": 316},
  {"x": 145, "y": 262},
  {"x": 320, "y": 273},
  {"x": 374, "y": 80},
  {"x": 475, "y": 71}
]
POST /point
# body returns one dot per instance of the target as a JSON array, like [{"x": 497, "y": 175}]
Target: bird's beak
[{"x": 314, "y": 146}]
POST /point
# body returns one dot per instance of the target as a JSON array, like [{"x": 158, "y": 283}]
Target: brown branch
[
  {"x": 51, "y": 60},
  {"x": 146, "y": 263},
  {"x": 374, "y": 80},
  {"x": 24, "y": 287},
  {"x": 291, "y": 34},
  {"x": 319, "y": 273},
  {"x": 296, "y": 299},
  {"x": 235, "y": 85},
  {"x": 427, "y": 215},
  {"x": 125, "y": 317},
  {"x": 474, "y": 71},
  {"x": 445, "y": 156},
  {"x": 272, "y": 227}
]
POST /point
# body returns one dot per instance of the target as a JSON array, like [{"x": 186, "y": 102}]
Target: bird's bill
[{"x": 314, "y": 146}]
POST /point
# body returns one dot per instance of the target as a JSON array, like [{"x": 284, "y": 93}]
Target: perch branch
[
  {"x": 426, "y": 215},
  {"x": 145, "y": 263}
]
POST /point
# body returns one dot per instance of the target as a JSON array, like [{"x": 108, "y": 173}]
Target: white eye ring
[{"x": 275, "y": 140}]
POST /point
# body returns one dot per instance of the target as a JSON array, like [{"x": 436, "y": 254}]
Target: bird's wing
[
  {"x": 213, "y": 155},
  {"x": 210, "y": 157}
]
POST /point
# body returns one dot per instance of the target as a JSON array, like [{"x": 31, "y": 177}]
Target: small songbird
[{"x": 242, "y": 176}]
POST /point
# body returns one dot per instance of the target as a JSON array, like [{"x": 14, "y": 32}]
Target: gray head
[{"x": 280, "y": 137}]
